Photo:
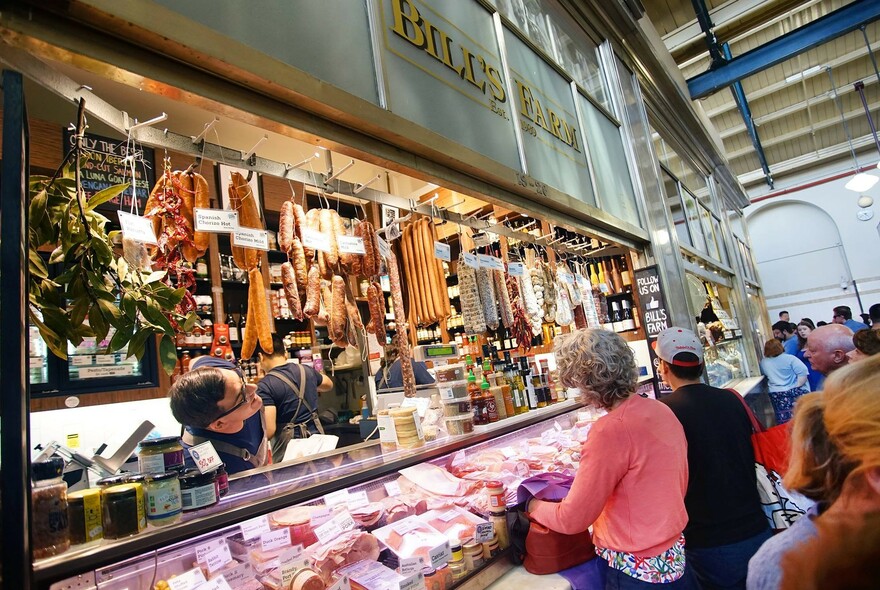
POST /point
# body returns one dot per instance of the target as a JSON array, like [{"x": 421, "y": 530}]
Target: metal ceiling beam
[
  {"x": 841, "y": 21},
  {"x": 691, "y": 32},
  {"x": 739, "y": 95}
]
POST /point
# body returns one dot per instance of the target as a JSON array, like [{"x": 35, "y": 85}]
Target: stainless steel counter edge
[{"x": 77, "y": 562}]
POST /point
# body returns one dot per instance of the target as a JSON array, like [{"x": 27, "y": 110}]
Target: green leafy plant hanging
[{"x": 97, "y": 289}]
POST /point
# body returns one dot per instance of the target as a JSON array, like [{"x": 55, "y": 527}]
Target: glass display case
[{"x": 299, "y": 513}]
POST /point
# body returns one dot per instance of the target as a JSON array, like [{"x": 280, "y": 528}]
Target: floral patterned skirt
[
  {"x": 660, "y": 569},
  {"x": 783, "y": 402}
]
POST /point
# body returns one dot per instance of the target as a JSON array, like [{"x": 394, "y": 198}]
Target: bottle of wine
[
  {"x": 625, "y": 277},
  {"x": 615, "y": 274},
  {"x": 603, "y": 284},
  {"x": 626, "y": 317},
  {"x": 242, "y": 322},
  {"x": 609, "y": 275},
  {"x": 616, "y": 324}
]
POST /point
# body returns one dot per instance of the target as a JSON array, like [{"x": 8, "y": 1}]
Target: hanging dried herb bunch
[{"x": 97, "y": 290}]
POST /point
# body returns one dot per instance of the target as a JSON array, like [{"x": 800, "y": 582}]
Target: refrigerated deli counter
[{"x": 356, "y": 517}]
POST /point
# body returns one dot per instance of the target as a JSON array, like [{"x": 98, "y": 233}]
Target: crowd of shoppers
[{"x": 670, "y": 487}]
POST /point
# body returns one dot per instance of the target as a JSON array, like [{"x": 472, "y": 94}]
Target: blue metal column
[
  {"x": 742, "y": 103},
  {"x": 841, "y": 21},
  {"x": 14, "y": 397}
]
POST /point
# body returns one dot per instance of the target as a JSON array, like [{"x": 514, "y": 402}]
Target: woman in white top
[{"x": 787, "y": 378}]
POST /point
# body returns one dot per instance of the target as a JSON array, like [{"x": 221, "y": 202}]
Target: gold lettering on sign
[
  {"x": 411, "y": 26},
  {"x": 531, "y": 108}
]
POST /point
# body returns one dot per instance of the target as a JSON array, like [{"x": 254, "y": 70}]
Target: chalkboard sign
[
  {"x": 655, "y": 318},
  {"x": 102, "y": 166}
]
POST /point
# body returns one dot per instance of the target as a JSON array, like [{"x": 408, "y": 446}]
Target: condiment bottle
[
  {"x": 498, "y": 517},
  {"x": 50, "y": 524},
  {"x": 473, "y": 388},
  {"x": 489, "y": 401}
]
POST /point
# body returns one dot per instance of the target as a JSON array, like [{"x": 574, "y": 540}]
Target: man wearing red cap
[{"x": 726, "y": 524}]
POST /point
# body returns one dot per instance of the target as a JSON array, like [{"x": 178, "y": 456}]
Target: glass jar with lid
[{"x": 51, "y": 527}]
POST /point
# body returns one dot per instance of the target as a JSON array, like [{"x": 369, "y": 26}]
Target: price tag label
[
  {"x": 218, "y": 221},
  {"x": 315, "y": 240},
  {"x": 206, "y": 548},
  {"x": 357, "y": 500},
  {"x": 448, "y": 515},
  {"x": 255, "y": 527},
  {"x": 411, "y": 565},
  {"x": 216, "y": 559},
  {"x": 239, "y": 575},
  {"x": 406, "y": 525},
  {"x": 485, "y": 531},
  {"x": 548, "y": 437},
  {"x": 336, "y": 498},
  {"x": 275, "y": 540},
  {"x": 565, "y": 439},
  {"x": 351, "y": 244},
  {"x": 320, "y": 516},
  {"x": 335, "y": 527},
  {"x": 341, "y": 584},
  {"x": 290, "y": 561},
  {"x": 446, "y": 393},
  {"x": 490, "y": 262},
  {"x": 508, "y": 452},
  {"x": 458, "y": 459},
  {"x": 205, "y": 457},
  {"x": 384, "y": 248},
  {"x": 387, "y": 430},
  {"x": 218, "y": 583},
  {"x": 247, "y": 237},
  {"x": 187, "y": 580},
  {"x": 414, "y": 582},
  {"x": 393, "y": 488},
  {"x": 442, "y": 251},
  {"x": 516, "y": 269},
  {"x": 440, "y": 555},
  {"x": 567, "y": 278},
  {"x": 137, "y": 228},
  {"x": 522, "y": 469},
  {"x": 557, "y": 426},
  {"x": 471, "y": 260}
]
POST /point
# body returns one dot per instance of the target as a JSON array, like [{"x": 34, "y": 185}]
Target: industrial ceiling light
[{"x": 861, "y": 181}]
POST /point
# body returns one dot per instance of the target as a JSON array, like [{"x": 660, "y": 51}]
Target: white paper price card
[
  {"x": 440, "y": 555},
  {"x": 445, "y": 393},
  {"x": 411, "y": 565},
  {"x": 187, "y": 580},
  {"x": 219, "y": 557},
  {"x": 393, "y": 488},
  {"x": 320, "y": 516},
  {"x": 218, "y": 221},
  {"x": 485, "y": 531},
  {"x": 255, "y": 527},
  {"x": 137, "y": 228},
  {"x": 341, "y": 523},
  {"x": 239, "y": 575},
  {"x": 442, "y": 251},
  {"x": 336, "y": 498},
  {"x": 341, "y": 584},
  {"x": 275, "y": 540},
  {"x": 406, "y": 525},
  {"x": 218, "y": 583},
  {"x": 516, "y": 269},
  {"x": 247, "y": 237},
  {"x": 357, "y": 500},
  {"x": 522, "y": 469},
  {"x": 290, "y": 561},
  {"x": 448, "y": 515},
  {"x": 384, "y": 248},
  {"x": 490, "y": 262},
  {"x": 548, "y": 437},
  {"x": 205, "y": 457},
  {"x": 471, "y": 260},
  {"x": 351, "y": 244},
  {"x": 414, "y": 582},
  {"x": 508, "y": 452},
  {"x": 315, "y": 240},
  {"x": 206, "y": 548}
]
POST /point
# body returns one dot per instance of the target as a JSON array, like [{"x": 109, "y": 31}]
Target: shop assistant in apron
[{"x": 289, "y": 392}]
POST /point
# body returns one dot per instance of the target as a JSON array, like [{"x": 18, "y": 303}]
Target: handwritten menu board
[{"x": 102, "y": 166}]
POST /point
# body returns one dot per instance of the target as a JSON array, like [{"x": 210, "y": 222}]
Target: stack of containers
[{"x": 457, "y": 410}]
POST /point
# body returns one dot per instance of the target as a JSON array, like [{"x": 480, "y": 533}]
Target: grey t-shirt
[{"x": 765, "y": 566}]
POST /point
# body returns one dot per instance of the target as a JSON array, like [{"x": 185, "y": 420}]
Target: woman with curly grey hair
[{"x": 633, "y": 474}]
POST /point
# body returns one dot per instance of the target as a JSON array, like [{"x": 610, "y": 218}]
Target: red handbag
[
  {"x": 548, "y": 552},
  {"x": 772, "y": 446}
]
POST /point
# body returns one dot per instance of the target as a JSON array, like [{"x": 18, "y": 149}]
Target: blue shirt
[
  {"x": 276, "y": 392},
  {"x": 765, "y": 566},
  {"x": 791, "y": 345},
  {"x": 855, "y": 326},
  {"x": 783, "y": 371}
]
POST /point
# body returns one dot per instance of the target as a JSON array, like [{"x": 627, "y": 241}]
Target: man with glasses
[
  {"x": 843, "y": 315},
  {"x": 215, "y": 404}
]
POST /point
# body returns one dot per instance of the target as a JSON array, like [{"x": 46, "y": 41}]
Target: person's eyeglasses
[
  {"x": 243, "y": 396},
  {"x": 838, "y": 315}
]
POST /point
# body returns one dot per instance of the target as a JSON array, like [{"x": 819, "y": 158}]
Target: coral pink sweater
[{"x": 630, "y": 484}]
